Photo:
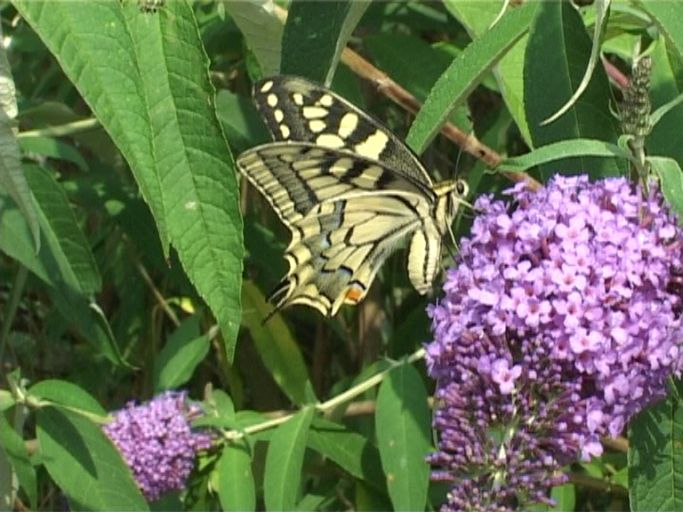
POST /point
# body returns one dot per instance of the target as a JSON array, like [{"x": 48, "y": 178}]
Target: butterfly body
[{"x": 349, "y": 191}]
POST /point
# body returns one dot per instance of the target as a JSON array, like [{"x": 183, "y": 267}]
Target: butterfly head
[{"x": 450, "y": 195}]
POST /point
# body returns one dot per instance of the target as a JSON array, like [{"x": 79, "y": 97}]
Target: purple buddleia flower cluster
[
  {"x": 157, "y": 442},
  {"x": 562, "y": 319}
]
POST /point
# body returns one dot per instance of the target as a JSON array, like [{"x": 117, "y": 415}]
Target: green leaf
[
  {"x": 666, "y": 139},
  {"x": 402, "y": 421},
  {"x": 236, "y": 489},
  {"x": 671, "y": 179},
  {"x": 241, "y": 121},
  {"x": 353, "y": 452},
  {"x": 284, "y": 461},
  {"x": 668, "y": 16},
  {"x": 654, "y": 457},
  {"x": 12, "y": 180},
  {"x": 14, "y": 448},
  {"x": 276, "y": 346},
  {"x": 477, "y": 17},
  {"x": 85, "y": 464},
  {"x": 16, "y": 242},
  {"x": 465, "y": 73},
  {"x": 556, "y": 56},
  {"x": 112, "y": 86},
  {"x": 415, "y": 65},
  {"x": 563, "y": 149},
  {"x": 61, "y": 392},
  {"x": 181, "y": 354},
  {"x": 62, "y": 232},
  {"x": 601, "y": 9},
  {"x": 53, "y": 148},
  {"x": 148, "y": 84},
  {"x": 262, "y": 30},
  {"x": 311, "y": 42}
]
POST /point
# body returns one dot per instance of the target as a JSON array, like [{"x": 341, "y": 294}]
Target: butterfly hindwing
[
  {"x": 338, "y": 248},
  {"x": 298, "y": 110}
]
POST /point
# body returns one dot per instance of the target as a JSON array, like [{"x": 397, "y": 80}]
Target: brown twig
[
  {"x": 618, "y": 444},
  {"x": 467, "y": 141},
  {"x": 598, "y": 484}
]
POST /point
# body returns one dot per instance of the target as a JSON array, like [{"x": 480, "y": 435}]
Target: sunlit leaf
[{"x": 284, "y": 461}]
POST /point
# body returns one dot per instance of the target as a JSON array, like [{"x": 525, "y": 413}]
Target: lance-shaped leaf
[
  {"x": 64, "y": 236},
  {"x": 465, "y": 73},
  {"x": 145, "y": 76},
  {"x": 84, "y": 463},
  {"x": 556, "y": 57},
  {"x": 403, "y": 435},
  {"x": 12, "y": 180},
  {"x": 284, "y": 461},
  {"x": 315, "y": 34},
  {"x": 654, "y": 456}
]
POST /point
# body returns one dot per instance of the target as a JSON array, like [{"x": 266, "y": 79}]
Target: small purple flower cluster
[
  {"x": 562, "y": 320},
  {"x": 156, "y": 441}
]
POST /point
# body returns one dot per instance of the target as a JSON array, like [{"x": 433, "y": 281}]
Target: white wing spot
[
  {"x": 272, "y": 100},
  {"x": 314, "y": 112},
  {"x": 279, "y": 115},
  {"x": 316, "y": 125},
  {"x": 326, "y": 100},
  {"x": 298, "y": 98},
  {"x": 284, "y": 130},
  {"x": 329, "y": 140},
  {"x": 267, "y": 86},
  {"x": 373, "y": 146},
  {"x": 348, "y": 124}
]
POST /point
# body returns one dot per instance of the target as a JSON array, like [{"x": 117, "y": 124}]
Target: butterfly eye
[{"x": 461, "y": 188}]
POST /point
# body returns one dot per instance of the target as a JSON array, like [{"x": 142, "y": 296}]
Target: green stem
[
  {"x": 65, "y": 129},
  {"x": 330, "y": 404}
]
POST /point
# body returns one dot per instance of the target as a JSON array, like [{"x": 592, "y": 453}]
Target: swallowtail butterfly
[{"x": 349, "y": 191}]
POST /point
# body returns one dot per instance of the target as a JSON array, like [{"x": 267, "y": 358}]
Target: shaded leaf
[
  {"x": 53, "y": 148},
  {"x": 311, "y": 39},
  {"x": 85, "y": 464},
  {"x": 666, "y": 139},
  {"x": 14, "y": 449},
  {"x": 183, "y": 351},
  {"x": 276, "y": 346},
  {"x": 62, "y": 232}
]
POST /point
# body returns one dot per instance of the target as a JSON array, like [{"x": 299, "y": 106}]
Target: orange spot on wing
[{"x": 353, "y": 295}]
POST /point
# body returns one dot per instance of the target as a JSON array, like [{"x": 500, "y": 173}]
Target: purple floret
[
  {"x": 156, "y": 441},
  {"x": 561, "y": 321}
]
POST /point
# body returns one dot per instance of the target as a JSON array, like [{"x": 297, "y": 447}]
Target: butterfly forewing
[
  {"x": 296, "y": 176},
  {"x": 298, "y": 110}
]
